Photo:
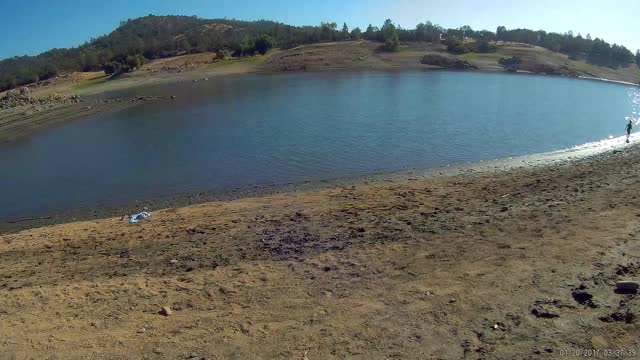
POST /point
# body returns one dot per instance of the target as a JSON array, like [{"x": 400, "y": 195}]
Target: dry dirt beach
[{"x": 517, "y": 264}]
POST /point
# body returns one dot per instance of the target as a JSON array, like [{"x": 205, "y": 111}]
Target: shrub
[
  {"x": 263, "y": 44},
  {"x": 111, "y": 68},
  {"x": 510, "y": 62},
  {"x": 135, "y": 61},
  {"x": 451, "y": 43},
  {"x": 447, "y": 62},
  {"x": 460, "y": 49},
  {"x": 390, "y": 36},
  {"x": 544, "y": 69},
  {"x": 392, "y": 43},
  {"x": 485, "y": 47}
]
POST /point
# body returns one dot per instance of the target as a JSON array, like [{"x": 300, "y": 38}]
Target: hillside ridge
[{"x": 139, "y": 40}]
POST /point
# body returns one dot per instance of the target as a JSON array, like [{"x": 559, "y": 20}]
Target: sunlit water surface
[{"x": 250, "y": 130}]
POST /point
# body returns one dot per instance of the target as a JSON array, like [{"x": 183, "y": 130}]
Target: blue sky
[{"x": 30, "y": 27}]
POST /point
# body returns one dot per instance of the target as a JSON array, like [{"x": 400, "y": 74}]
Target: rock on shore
[{"x": 23, "y": 97}]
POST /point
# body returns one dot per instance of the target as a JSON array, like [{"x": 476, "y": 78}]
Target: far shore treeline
[{"x": 138, "y": 40}]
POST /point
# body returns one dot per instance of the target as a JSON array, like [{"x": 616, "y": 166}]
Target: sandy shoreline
[{"x": 608, "y": 80}]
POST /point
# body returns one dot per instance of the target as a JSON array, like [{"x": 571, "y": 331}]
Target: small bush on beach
[
  {"x": 485, "y": 47},
  {"x": 220, "y": 55},
  {"x": 135, "y": 61},
  {"x": 112, "y": 67},
  {"x": 263, "y": 44},
  {"x": 510, "y": 63},
  {"x": 390, "y": 36}
]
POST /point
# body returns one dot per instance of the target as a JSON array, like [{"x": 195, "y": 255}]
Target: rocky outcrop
[
  {"x": 23, "y": 97},
  {"x": 17, "y": 97}
]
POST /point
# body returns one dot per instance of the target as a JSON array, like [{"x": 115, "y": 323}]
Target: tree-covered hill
[{"x": 151, "y": 37}]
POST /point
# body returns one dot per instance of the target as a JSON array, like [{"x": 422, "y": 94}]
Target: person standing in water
[{"x": 629, "y": 127}]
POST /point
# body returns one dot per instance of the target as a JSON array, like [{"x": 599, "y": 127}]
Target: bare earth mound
[{"x": 519, "y": 264}]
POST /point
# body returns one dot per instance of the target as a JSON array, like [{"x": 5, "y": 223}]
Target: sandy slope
[{"x": 452, "y": 268}]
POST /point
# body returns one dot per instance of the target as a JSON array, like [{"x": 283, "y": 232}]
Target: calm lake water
[{"x": 271, "y": 129}]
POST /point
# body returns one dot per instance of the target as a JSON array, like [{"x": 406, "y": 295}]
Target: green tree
[
  {"x": 263, "y": 44},
  {"x": 467, "y": 32},
  {"x": 105, "y": 56},
  {"x": 455, "y": 45},
  {"x": 135, "y": 61},
  {"x": 390, "y": 36},
  {"x": 345, "y": 32},
  {"x": 136, "y": 45},
  {"x": 356, "y": 34},
  {"x": 220, "y": 55},
  {"x": 165, "y": 36},
  {"x": 484, "y": 47},
  {"x": 32, "y": 78},
  {"x": 638, "y": 57},
  {"x": 11, "y": 82},
  {"x": 392, "y": 43},
  {"x": 328, "y": 31},
  {"x": 132, "y": 62},
  {"x": 421, "y": 32},
  {"x": 388, "y": 29},
  {"x": 501, "y": 33},
  {"x": 183, "y": 45},
  {"x": 90, "y": 61},
  {"x": 141, "y": 59},
  {"x": 246, "y": 47},
  {"x": 112, "y": 68},
  {"x": 49, "y": 71},
  {"x": 370, "y": 33},
  {"x": 510, "y": 63},
  {"x": 427, "y": 32}
]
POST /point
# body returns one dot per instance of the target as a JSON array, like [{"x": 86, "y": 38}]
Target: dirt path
[{"x": 492, "y": 266}]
